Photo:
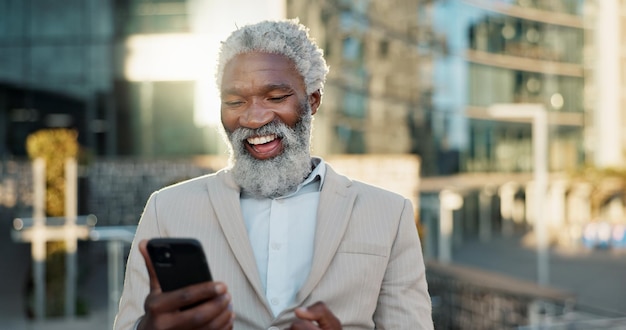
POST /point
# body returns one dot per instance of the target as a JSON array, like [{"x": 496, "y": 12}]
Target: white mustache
[{"x": 279, "y": 129}]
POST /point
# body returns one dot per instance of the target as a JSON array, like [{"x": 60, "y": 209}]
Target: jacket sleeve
[
  {"x": 136, "y": 281},
  {"x": 404, "y": 302}
]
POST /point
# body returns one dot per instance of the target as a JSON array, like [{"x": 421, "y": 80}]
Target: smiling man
[
  {"x": 290, "y": 242},
  {"x": 267, "y": 115}
]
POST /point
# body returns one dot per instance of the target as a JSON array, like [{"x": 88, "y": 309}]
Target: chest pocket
[{"x": 363, "y": 248}]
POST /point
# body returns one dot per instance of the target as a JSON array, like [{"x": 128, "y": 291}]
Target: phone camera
[{"x": 164, "y": 255}]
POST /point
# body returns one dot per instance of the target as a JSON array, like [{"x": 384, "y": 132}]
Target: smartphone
[{"x": 178, "y": 262}]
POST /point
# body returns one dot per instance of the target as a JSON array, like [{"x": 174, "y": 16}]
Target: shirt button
[
  {"x": 275, "y": 246},
  {"x": 274, "y": 301},
  {"x": 272, "y": 328}
]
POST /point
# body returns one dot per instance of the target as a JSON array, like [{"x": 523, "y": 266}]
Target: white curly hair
[{"x": 286, "y": 37}]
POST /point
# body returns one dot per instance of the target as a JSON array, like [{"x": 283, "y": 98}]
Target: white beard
[{"x": 276, "y": 176}]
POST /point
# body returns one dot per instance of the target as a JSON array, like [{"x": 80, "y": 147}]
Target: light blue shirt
[{"x": 281, "y": 232}]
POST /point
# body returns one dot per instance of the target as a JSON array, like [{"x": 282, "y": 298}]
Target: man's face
[
  {"x": 267, "y": 118},
  {"x": 260, "y": 88}
]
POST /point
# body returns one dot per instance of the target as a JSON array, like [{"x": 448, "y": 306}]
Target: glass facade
[
  {"x": 56, "y": 71},
  {"x": 377, "y": 91},
  {"x": 499, "y": 34},
  {"x": 153, "y": 16},
  {"x": 510, "y": 52},
  {"x": 132, "y": 77},
  {"x": 488, "y": 85}
]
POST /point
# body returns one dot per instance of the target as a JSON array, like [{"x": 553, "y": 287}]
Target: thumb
[
  {"x": 154, "y": 282},
  {"x": 305, "y": 314}
]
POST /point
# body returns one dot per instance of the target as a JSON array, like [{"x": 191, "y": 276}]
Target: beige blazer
[{"x": 367, "y": 264}]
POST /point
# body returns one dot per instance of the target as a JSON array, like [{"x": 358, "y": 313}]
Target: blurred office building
[
  {"x": 56, "y": 70},
  {"x": 377, "y": 98},
  {"x": 419, "y": 77},
  {"x": 136, "y": 77},
  {"x": 509, "y": 52},
  {"x": 133, "y": 77}
]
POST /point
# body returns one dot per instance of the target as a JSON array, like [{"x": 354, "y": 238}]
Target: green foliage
[{"x": 54, "y": 146}]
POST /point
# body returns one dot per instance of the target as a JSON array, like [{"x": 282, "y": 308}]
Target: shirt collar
[
  {"x": 313, "y": 182},
  {"x": 318, "y": 172}
]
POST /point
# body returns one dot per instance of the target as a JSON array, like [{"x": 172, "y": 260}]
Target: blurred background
[{"x": 501, "y": 120}]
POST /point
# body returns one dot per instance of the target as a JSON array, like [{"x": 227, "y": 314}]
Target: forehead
[{"x": 260, "y": 69}]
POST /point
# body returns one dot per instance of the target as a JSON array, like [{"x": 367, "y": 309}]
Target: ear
[{"x": 315, "y": 99}]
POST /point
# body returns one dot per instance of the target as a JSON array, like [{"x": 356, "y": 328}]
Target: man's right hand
[{"x": 163, "y": 309}]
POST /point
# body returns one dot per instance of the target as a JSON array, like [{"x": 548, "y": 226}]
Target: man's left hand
[{"x": 316, "y": 316}]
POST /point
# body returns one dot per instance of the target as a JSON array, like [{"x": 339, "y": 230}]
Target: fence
[
  {"x": 115, "y": 190},
  {"x": 466, "y": 298}
]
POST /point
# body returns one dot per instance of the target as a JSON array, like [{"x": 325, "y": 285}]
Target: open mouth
[
  {"x": 257, "y": 140},
  {"x": 264, "y": 146}
]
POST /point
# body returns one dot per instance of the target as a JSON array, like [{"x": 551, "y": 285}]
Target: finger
[
  {"x": 226, "y": 317},
  {"x": 195, "y": 294},
  {"x": 303, "y": 325},
  {"x": 189, "y": 307},
  {"x": 305, "y": 314},
  {"x": 225, "y": 320},
  {"x": 154, "y": 282},
  {"x": 320, "y": 314},
  {"x": 214, "y": 314},
  {"x": 313, "y": 312}
]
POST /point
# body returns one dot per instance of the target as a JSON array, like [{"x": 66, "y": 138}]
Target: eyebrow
[{"x": 264, "y": 89}]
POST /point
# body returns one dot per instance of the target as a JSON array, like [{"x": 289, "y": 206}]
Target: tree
[{"x": 54, "y": 146}]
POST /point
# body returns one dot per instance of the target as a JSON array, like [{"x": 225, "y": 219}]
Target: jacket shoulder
[
  {"x": 362, "y": 186},
  {"x": 366, "y": 191},
  {"x": 191, "y": 186}
]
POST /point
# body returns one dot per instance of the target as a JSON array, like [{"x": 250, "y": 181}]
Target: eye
[
  {"x": 279, "y": 98},
  {"x": 233, "y": 103}
]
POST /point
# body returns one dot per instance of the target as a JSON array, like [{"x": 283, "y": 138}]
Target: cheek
[
  {"x": 229, "y": 120},
  {"x": 290, "y": 117}
]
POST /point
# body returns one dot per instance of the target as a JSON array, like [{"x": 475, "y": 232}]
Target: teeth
[{"x": 261, "y": 139}]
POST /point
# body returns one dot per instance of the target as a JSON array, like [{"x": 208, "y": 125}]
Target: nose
[{"x": 256, "y": 115}]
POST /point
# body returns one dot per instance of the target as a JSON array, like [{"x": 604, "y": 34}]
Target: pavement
[{"x": 596, "y": 277}]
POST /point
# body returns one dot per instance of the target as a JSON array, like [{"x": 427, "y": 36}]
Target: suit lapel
[
  {"x": 333, "y": 214},
  {"x": 224, "y": 196}
]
